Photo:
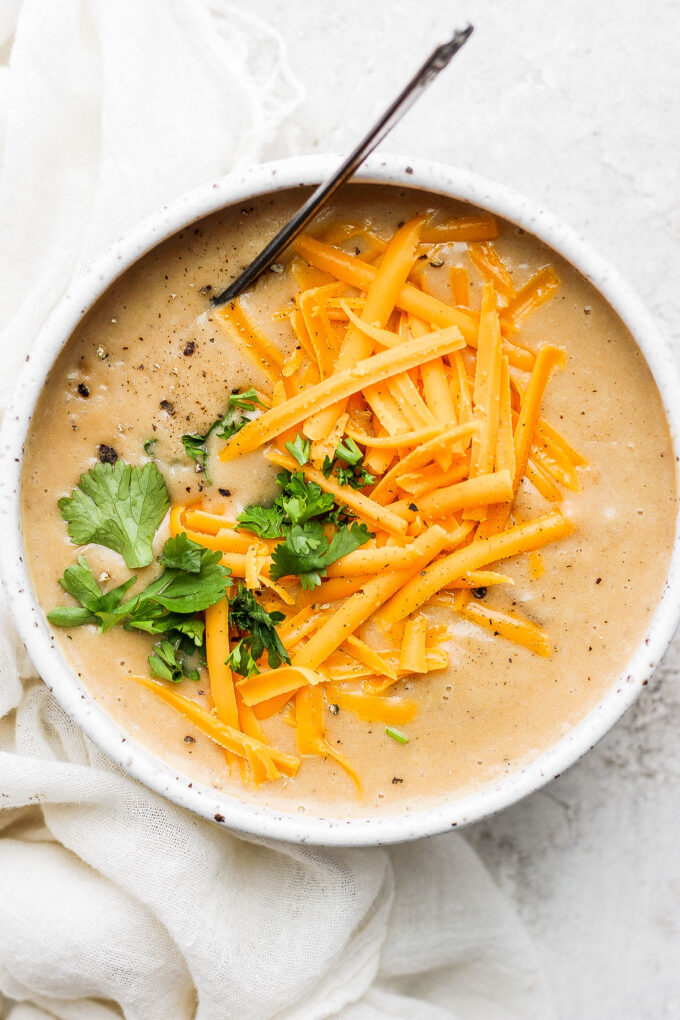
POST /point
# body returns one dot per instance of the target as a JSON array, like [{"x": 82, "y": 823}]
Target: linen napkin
[{"x": 114, "y": 902}]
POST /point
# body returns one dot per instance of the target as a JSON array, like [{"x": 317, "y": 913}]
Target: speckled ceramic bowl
[{"x": 108, "y": 734}]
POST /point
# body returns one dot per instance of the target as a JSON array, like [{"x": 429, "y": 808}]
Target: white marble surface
[{"x": 578, "y": 106}]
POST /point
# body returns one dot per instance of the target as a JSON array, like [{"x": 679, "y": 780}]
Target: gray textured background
[{"x": 578, "y": 106}]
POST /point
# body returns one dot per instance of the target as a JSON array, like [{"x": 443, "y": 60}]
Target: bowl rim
[{"x": 120, "y": 746}]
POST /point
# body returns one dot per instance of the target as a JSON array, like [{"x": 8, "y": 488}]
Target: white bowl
[{"x": 109, "y": 735}]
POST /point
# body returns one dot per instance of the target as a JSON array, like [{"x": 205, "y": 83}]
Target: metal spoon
[{"x": 435, "y": 63}]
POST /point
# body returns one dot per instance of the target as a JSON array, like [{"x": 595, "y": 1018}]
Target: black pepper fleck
[
  {"x": 107, "y": 454},
  {"x": 189, "y": 740},
  {"x": 189, "y": 348},
  {"x": 168, "y": 407},
  {"x": 479, "y": 593},
  {"x": 396, "y": 779},
  {"x": 83, "y": 390},
  {"x": 225, "y": 492}
]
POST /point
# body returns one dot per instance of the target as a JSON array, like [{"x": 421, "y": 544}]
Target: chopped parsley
[
  {"x": 299, "y": 449},
  {"x": 167, "y": 664},
  {"x": 259, "y": 634},
  {"x": 119, "y": 506},
  {"x": 351, "y": 471},
  {"x": 397, "y": 735},
  {"x": 315, "y": 530},
  {"x": 306, "y": 551},
  {"x": 196, "y": 445}
]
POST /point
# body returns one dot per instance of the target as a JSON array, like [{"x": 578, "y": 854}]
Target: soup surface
[{"x": 153, "y": 361}]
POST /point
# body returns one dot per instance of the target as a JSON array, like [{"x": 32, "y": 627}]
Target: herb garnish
[
  {"x": 192, "y": 580},
  {"x": 351, "y": 472},
  {"x": 397, "y": 735},
  {"x": 299, "y": 449},
  {"x": 196, "y": 445},
  {"x": 260, "y": 635},
  {"x": 307, "y": 551},
  {"x": 166, "y": 664},
  {"x": 303, "y": 515},
  {"x": 119, "y": 506}
]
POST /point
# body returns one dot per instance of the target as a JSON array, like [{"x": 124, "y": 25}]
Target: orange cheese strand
[
  {"x": 310, "y": 730},
  {"x": 432, "y": 477},
  {"x": 460, "y": 286},
  {"x": 257, "y": 347},
  {"x": 487, "y": 389},
  {"x": 381, "y": 295},
  {"x": 368, "y": 562},
  {"x": 308, "y": 302},
  {"x": 521, "y": 538},
  {"x": 177, "y": 520},
  {"x": 217, "y": 652},
  {"x": 491, "y": 266},
  {"x": 386, "y": 489},
  {"x": 359, "y": 607},
  {"x": 522, "y": 632},
  {"x": 340, "y": 385},
  {"x": 479, "y": 227},
  {"x": 369, "y": 657},
  {"x": 398, "y": 441},
  {"x": 538, "y": 289},
  {"x": 413, "y": 657},
  {"x": 393, "y": 711},
  {"x": 233, "y": 740},
  {"x": 474, "y": 492},
  {"x": 542, "y": 482},
  {"x": 505, "y": 443},
  {"x": 266, "y": 709},
  {"x": 547, "y": 359},
  {"x": 275, "y": 683},
  {"x": 226, "y": 540}
]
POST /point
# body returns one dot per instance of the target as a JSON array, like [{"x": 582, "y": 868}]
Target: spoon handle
[{"x": 435, "y": 63}]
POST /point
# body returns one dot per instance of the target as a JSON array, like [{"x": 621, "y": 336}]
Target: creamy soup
[{"x": 153, "y": 361}]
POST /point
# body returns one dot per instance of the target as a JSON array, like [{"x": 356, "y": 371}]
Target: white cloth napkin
[{"x": 112, "y": 900}]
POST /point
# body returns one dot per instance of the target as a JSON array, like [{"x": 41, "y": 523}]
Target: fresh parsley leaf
[
  {"x": 195, "y": 448},
  {"x": 258, "y": 628},
  {"x": 71, "y": 616},
  {"x": 196, "y": 445},
  {"x": 349, "y": 452},
  {"x": 119, "y": 506},
  {"x": 352, "y": 472},
  {"x": 154, "y": 619},
  {"x": 301, "y": 500},
  {"x": 306, "y": 552},
  {"x": 95, "y": 606},
  {"x": 181, "y": 553},
  {"x": 165, "y": 663},
  {"x": 181, "y": 591},
  {"x": 356, "y": 478},
  {"x": 299, "y": 449},
  {"x": 241, "y": 660},
  {"x": 265, "y": 521},
  {"x": 246, "y": 400},
  {"x": 148, "y": 446}
]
